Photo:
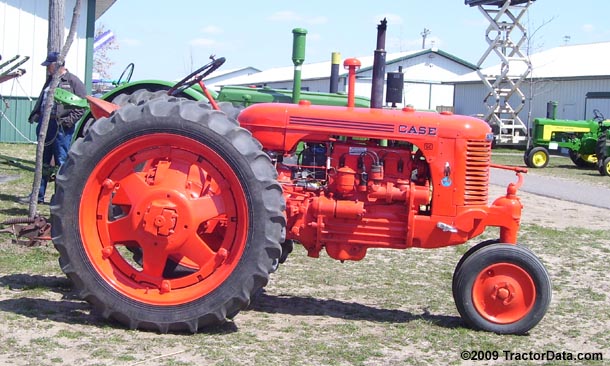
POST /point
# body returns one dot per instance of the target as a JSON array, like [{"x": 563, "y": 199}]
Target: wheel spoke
[
  {"x": 130, "y": 188},
  {"x": 195, "y": 179},
  {"x": 153, "y": 262},
  {"x": 207, "y": 208},
  {"x": 121, "y": 230},
  {"x": 199, "y": 252}
]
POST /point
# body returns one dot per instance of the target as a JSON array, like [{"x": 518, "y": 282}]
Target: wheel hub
[
  {"x": 160, "y": 218},
  {"x": 503, "y": 292},
  {"x": 165, "y": 219}
]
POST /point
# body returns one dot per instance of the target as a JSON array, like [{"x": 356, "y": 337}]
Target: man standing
[{"x": 62, "y": 121}]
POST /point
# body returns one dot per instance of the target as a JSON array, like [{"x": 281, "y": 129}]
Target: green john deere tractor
[{"x": 578, "y": 139}]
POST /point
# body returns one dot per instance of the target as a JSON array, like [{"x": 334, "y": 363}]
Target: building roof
[
  {"x": 564, "y": 62},
  {"x": 321, "y": 70},
  {"x": 101, "y": 6}
]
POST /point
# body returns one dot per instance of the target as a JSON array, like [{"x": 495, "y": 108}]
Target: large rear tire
[
  {"x": 583, "y": 161},
  {"x": 182, "y": 186},
  {"x": 604, "y": 167}
]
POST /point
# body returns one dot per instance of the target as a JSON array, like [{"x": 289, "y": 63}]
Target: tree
[{"x": 56, "y": 25}]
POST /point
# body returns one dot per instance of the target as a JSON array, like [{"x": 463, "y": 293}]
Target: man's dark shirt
[{"x": 65, "y": 116}]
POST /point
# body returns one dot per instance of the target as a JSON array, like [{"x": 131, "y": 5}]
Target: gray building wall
[
  {"x": 569, "y": 94},
  {"x": 422, "y": 80}
]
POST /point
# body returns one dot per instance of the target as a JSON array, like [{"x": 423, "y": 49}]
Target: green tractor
[
  {"x": 578, "y": 139},
  {"x": 231, "y": 99}
]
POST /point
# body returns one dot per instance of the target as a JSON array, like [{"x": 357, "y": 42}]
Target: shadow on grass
[
  {"x": 13, "y": 211},
  {"x": 307, "y": 306},
  {"x": 24, "y": 164},
  {"x": 575, "y": 167},
  {"x": 70, "y": 309},
  {"x": 67, "y": 310}
]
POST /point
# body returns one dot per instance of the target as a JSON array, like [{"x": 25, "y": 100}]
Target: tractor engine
[
  {"x": 346, "y": 196},
  {"x": 359, "y": 178}
]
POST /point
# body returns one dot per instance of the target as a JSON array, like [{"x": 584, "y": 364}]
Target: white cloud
[
  {"x": 588, "y": 28},
  {"x": 212, "y": 29},
  {"x": 202, "y": 42}
]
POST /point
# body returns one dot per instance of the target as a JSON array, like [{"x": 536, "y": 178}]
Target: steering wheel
[
  {"x": 597, "y": 115},
  {"x": 196, "y": 76},
  {"x": 129, "y": 71}
]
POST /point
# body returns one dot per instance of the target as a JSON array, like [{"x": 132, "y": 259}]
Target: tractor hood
[{"x": 280, "y": 127}]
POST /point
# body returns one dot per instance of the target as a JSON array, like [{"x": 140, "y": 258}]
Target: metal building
[
  {"x": 576, "y": 77},
  {"x": 424, "y": 71},
  {"x": 24, "y": 32}
]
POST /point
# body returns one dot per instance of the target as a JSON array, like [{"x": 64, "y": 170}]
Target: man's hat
[{"x": 51, "y": 58}]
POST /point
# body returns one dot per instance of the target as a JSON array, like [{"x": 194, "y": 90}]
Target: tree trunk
[{"x": 56, "y": 26}]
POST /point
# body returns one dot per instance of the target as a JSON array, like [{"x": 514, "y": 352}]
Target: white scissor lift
[{"x": 505, "y": 35}]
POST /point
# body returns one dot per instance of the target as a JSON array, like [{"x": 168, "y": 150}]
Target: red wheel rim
[
  {"x": 169, "y": 198},
  {"x": 503, "y": 293}
]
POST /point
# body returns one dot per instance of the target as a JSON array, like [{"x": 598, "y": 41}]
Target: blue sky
[{"x": 168, "y": 39}]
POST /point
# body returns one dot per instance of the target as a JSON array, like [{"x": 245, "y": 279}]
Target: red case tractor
[{"x": 170, "y": 215}]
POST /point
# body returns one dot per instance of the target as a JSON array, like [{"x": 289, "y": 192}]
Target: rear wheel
[
  {"x": 136, "y": 97},
  {"x": 538, "y": 157},
  {"x": 502, "y": 288},
  {"x": 583, "y": 161},
  {"x": 167, "y": 216},
  {"x": 604, "y": 168}
]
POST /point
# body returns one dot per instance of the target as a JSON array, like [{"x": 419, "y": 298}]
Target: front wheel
[
  {"x": 502, "y": 288},
  {"x": 538, "y": 157},
  {"x": 167, "y": 216}
]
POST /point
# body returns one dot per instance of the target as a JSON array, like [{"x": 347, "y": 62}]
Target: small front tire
[
  {"x": 502, "y": 288},
  {"x": 538, "y": 157}
]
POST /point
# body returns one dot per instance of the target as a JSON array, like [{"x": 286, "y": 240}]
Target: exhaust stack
[{"x": 379, "y": 66}]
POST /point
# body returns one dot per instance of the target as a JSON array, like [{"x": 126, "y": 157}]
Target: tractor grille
[{"x": 478, "y": 158}]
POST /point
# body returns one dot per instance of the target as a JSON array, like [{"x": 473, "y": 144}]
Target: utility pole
[
  {"x": 56, "y": 25},
  {"x": 424, "y": 35}
]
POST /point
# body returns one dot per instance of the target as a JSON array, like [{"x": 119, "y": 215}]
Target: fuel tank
[{"x": 280, "y": 127}]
